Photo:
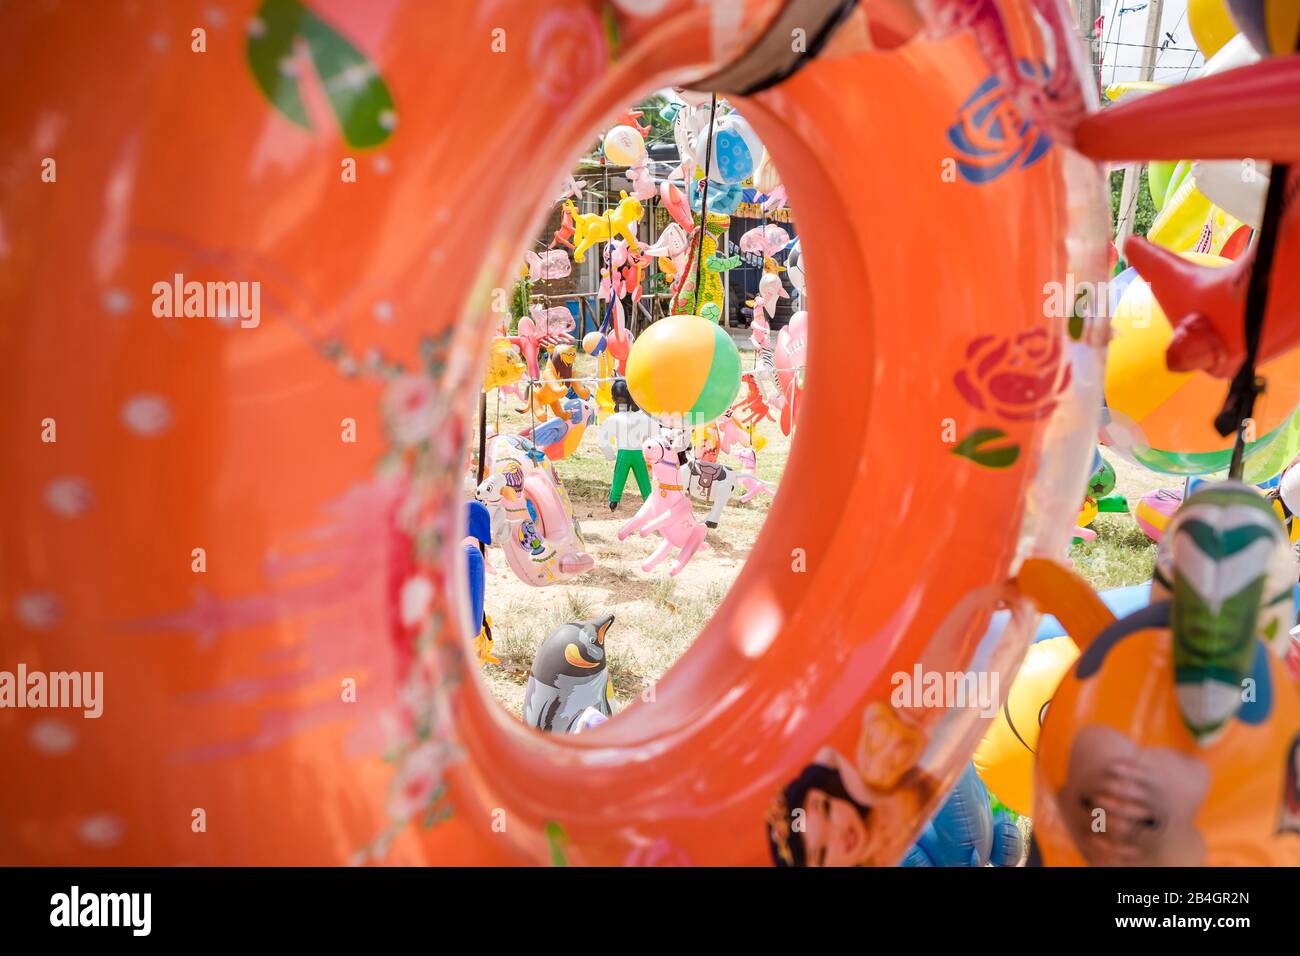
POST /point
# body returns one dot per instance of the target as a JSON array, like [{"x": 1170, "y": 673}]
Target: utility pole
[
  {"x": 1089, "y": 11},
  {"x": 1133, "y": 172}
]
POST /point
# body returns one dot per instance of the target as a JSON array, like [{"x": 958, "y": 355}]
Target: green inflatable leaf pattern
[
  {"x": 357, "y": 93},
  {"x": 973, "y": 447},
  {"x": 558, "y": 839}
]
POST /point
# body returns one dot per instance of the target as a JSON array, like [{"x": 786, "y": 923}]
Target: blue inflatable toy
[{"x": 966, "y": 831}]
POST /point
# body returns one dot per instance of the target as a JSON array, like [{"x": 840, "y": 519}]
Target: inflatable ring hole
[{"x": 594, "y": 358}]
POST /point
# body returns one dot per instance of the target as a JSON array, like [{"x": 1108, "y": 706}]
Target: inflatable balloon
[
  {"x": 966, "y": 831},
  {"x": 624, "y": 146},
  {"x": 1150, "y": 732},
  {"x": 684, "y": 370},
  {"x": 1164, "y": 419},
  {"x": 570, "y": 675},
  {"x": 319, "y": 457},
  {"x": 736, "y": 150},
  {"x": 1004, "y": 759}
]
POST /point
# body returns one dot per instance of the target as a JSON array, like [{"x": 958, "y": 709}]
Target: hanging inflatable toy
[
  {"x": 549, "y": 265},
  {"x": 748, "y": 478},
  {"x": 766, "y": 240},
  {"x": 542, "y": 541},
  {"x": 966, "y": 831},
  {"x": 791, "y": 357},
  {"x": 1162, "y": 418},
  {"x": 705, "y": 478},
  {"x": 684, "y": 370},
  {"x": 337, "y": 541},
  {"x": 1150, "y": 730},
  {"x": 505, "y": 364},
  {"x": 591, "y": 228},
  {"x": 625, "y": 146},
  {"x": 570, "y": 676},
  {"x": 666, "y": 512}
]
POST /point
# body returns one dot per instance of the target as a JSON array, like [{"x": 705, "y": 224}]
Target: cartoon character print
[{"x": 529, "y": 538}]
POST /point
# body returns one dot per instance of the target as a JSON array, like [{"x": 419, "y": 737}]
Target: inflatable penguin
[{"x": 569, "y": 676}]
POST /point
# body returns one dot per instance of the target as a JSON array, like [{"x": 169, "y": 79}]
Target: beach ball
[
  {"x": 1163, "y": 420},
  {"x": 1270, "y": 25},
  {"x": 684, "y": 369},
  {"x": 1005, "y": 757},
  {"x": 624, "y": 146},
  {"x": 593, "y": 343},
  {"x": 1155, "y": 509}
]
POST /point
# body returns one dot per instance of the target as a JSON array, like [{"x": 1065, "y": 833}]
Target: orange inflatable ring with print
[{"x": 236, "y": 502}]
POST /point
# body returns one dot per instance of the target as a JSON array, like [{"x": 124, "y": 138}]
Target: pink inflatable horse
[
  {"x": 667, "y": 511},
  {"x": 753, "y": 485}
]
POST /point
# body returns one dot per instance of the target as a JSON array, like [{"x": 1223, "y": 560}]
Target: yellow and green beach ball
[{"x": 684, "y": 369}]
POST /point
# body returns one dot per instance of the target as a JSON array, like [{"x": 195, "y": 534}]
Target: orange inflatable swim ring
[{"x": 255, "y": 287}]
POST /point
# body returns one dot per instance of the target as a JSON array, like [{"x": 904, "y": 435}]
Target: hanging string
[
  {"x": 1246, "y": 385},
  {"x": 704, "y": 204}
]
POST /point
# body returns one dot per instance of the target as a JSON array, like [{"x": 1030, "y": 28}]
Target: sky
[{"x": 1126, "y": 22}]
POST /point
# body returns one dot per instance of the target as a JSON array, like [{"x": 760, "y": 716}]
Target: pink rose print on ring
[
  {"x": 1018, "y": 379},
  {"x": 568, "y": 50}
]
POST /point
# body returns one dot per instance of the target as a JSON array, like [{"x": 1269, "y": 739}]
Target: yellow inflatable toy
[
  {"x": 1211, "y": 24},
  {"x": 591, "y": 228},
  {"x": 1005, "y": 757},
  {"x": 505, "y": 364}
]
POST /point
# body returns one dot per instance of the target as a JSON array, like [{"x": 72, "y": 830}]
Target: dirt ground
[{"x": 656, "y": 617}]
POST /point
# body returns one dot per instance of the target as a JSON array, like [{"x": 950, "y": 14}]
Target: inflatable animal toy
[
  {"x": 748, "y": 480},
  {"x": 505, "y": 364},
  {"x": 564, "y": 234},
  {"x": 570, "y": 675},
  {"x": 765, "y": 240},
  {"x": 555, "y": 383},
  {"x": 591, "y": 228},
  {"x": 542, "y": 542},
  {"x": 1172, "y": 740},
  {"x": 533, "y": 336},
  {"x": 706, "y": 479},
  {"x": 552, "y": 264},
  {"x": 560, "y": 437},
  {"x": 672, "y": 248},
  {"x": 966, "y": 831},
  {"x": 667, "y": 512},
  {"x": 791, "y": 355},
  {"x": 770, "y": 289}
]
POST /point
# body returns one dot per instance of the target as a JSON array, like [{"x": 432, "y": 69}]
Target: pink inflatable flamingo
[
  {"x": 747, "y": 479},
  {"x": 667, "y": 511},
  {"x": 535, "y": 335}
]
